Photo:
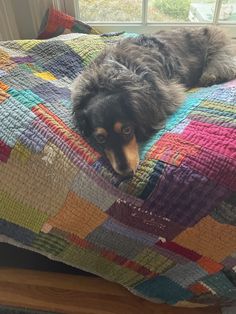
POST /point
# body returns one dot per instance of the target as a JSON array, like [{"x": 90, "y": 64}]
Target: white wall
[
  {"x": 28, "y": 15},
  {"x": 21, "y": 19},
  {"x": 8, "y": 27}
]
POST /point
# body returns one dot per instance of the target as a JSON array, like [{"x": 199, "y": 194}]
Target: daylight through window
[{"x": 145, "y": 15}]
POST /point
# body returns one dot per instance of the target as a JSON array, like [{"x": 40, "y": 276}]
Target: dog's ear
[
  {"x": 151, "y": 102},
  {"x": 82, "y": 122},
  {"x": 150, "y": 98},
  {"x": 83, "y": 89}
]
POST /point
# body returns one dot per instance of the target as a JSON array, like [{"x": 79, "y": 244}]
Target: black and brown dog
[{"x": 127, "y": 92}]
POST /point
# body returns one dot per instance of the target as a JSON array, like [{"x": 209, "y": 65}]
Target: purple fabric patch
[
  {"x": 51, "y": 93},
  {"x": 230, "y": 262},
  {"x": 214, "y": 166},
  {"x": 145, "y": 220},
  {"x": 27, "y": 59},
  {"x": 36, "y": 136},
  {"x": 176, "y": 196},
  {"x": 113, "y": 225}
]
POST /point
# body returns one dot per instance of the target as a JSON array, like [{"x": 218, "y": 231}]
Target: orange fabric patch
[
  {"x": 172, "y": 148},
  {"x": 209, "y": 238},
  {"x": 3, "y": 86},
  {"x": 209, "y": 265},
  {"x": 198, "y": 289},
  {"x": 3, "y": 95},
  {"x": 78, "y": 216}
]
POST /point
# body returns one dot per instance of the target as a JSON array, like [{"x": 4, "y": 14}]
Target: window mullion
[
  {"x": 144, "y": 12},
  {"x": 217, "y": 11},
  {"x": 77, "y": 9}
]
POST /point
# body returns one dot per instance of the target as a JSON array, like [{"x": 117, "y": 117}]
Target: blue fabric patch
[
  {"x": 60, "y": 61},
  {"x": 220, "y": 284},
  {"x": 163, "y": 288},
  {"x": 16, "y": 232},
  {"x": 15, "y": 118}
]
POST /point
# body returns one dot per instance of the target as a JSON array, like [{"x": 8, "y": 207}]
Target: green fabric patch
[
  {"x": 20, "y": 214},
  {"x": 88, "y": 259},
  {"x": 49, "y": 243},
  {"x": 153, "y": 261}
]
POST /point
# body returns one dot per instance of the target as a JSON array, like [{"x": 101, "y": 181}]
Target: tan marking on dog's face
[
  {"x": 118, "y": 127},
  {"x": 132, "y": 154},
  {"x": 111, "y": 157},
  {"x": 101, "y": 131}
]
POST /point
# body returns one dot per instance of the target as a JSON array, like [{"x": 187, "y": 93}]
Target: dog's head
[
  {"x": 107, "y": 121},
  {"x": 116, "y": 109}
]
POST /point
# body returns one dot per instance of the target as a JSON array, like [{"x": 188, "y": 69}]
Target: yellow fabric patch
[
  {"x": 45, "y": 76},
  {"x": 27, "y": 44}
]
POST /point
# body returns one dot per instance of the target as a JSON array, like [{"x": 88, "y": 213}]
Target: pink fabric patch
[
  {"x": 218, "y": 168},
  {"x": 231, "y": 84},
  {"x": 215, "y": 138}
]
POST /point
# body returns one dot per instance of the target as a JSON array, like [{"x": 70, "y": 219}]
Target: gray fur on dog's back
[
  {"x": 198, "y": 56},
  {"x": 151, "y": 73}
]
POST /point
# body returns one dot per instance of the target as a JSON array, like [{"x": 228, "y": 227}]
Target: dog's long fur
[{"x": 145, "y": 78}]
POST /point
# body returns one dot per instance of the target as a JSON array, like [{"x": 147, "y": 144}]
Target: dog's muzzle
[{"x": 124, "y": 160}]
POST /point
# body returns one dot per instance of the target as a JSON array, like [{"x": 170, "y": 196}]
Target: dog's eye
[
  {"x": 100, "y": 138},
  {"x": 127, "y": 130}
]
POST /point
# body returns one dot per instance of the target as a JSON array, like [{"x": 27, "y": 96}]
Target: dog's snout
[
  {"x": 125, "y": 159},
  {"x": 127, "y": 172}
]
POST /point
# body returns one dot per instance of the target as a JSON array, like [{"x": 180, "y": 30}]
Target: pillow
[{"x": 56, "y": 23}]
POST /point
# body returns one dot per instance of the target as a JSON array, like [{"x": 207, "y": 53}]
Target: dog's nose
[{"x": 128, "y": 173}]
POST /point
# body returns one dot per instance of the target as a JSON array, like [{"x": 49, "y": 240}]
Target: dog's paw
[{"x": 207, "y": 79}]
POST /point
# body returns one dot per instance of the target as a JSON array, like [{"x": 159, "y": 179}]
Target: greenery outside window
[{"x": 152, "y": 15}]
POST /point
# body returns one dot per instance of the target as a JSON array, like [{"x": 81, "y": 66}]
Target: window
[{"x": 151, "y": 15}]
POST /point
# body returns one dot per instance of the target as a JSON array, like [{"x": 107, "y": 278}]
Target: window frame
[{"x": 72, "y": 7}]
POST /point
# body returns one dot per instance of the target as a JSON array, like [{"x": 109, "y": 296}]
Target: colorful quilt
[{"x": 169, "y": 233}]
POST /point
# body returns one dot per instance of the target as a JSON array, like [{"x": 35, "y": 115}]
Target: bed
[{"x": 169, "y": 233}]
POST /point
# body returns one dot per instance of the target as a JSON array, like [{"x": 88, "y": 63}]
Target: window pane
[
  {"x": 228, "y": 11},
  {"x": 110, "y": 10},
  {"x": 197, "y": 11}
]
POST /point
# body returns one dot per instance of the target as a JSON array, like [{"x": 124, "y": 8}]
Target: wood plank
[{"x": 65, "y": 293}]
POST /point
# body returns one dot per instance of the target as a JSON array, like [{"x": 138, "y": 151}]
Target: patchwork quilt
[{"x": 169, "y": 233}]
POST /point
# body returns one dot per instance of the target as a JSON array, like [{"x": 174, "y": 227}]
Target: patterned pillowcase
[{"x": 56, "y": 23}]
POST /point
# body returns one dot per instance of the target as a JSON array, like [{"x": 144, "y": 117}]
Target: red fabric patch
[
  {"x": 73, "y": 139},
  {"x": 112, "y": 256},
  {"x": 5, "y": 151},
  {"x": 174, "y": 247}
]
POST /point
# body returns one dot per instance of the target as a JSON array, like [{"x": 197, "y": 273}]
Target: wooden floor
[{"x": 64, "y": 293}]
